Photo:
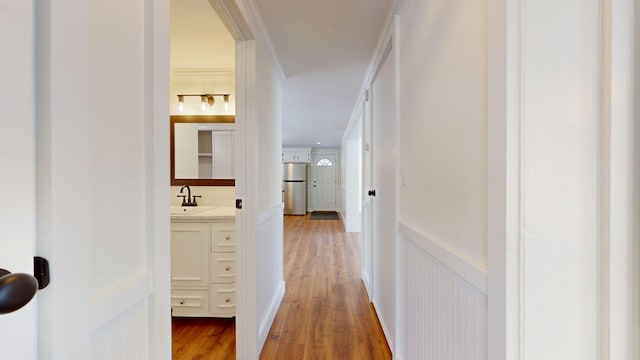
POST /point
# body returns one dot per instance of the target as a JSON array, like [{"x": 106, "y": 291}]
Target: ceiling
[
  {"x": 324, "y": 48},
  {"x": 198, "y": 39}
]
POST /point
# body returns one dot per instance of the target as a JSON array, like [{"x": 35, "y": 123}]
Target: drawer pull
[
  {"x": 228, "y": 268},
  {"x": 227, "y": 300},
  {"x": 228, "y": 237},
  {"x": 181, "y": 302}
]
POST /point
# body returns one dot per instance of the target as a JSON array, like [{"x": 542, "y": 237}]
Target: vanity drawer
[
  {"x": 223, "y": 268},
  {"x": 223, "y": 238},
  {"x": 223, "y": 301},
  {"x": 189, "y": 302}
]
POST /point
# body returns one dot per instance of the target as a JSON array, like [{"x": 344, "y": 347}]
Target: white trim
[
  {"x": 117, "y": 300},
  {"x": 466, "y": 268},
  {"x": 265, "y": 326},
  {"x": 275, "y": 210},
  {"x": 233, "y": 19},
  {"x": 375, "y": 61},
  {"x": 254, "y": 19},
  {"x": 158, "y": 225},
  {"x": 246, "y": 189},
  {"x": 178, "y": 74},
  {"x": 385, "y": 328},
  {"x": 232, "y": 15}
]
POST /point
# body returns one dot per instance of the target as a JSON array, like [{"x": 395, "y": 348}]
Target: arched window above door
[{"x": 324, "y": 162}]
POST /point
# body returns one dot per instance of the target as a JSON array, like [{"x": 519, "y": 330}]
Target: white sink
[{"x": 189, "y": 210}]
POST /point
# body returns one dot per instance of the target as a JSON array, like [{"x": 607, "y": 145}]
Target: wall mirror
[{"x": 202, "y": 150}]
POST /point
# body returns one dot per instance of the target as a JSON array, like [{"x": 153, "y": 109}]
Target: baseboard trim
[
  {"x": 265, "y": 325},
  {"x": 469, "y": 270}
]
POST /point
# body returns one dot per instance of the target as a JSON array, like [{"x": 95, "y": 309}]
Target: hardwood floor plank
[{"x": 325, "y": 313}]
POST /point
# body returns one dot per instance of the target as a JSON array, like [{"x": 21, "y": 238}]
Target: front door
[{"x": 324, "y": 183}]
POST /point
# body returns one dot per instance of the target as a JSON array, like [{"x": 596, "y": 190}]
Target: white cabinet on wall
[
  {"x": 203, "y": 263},
  {"x": 215, "y": 154},
  {"x": 296, "y": 155}
]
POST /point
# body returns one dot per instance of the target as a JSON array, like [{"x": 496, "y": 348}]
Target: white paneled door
[
  {"x": 86, "y": 180},
  {"x": 17, "y": 155},
  {"x": 325, "y": 182},
  {"x": 383, "y": 195}
]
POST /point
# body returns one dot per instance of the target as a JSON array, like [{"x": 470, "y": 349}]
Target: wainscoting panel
[
  {"x": 124, "y": 337},
  {"x": 443, "y": 315}
]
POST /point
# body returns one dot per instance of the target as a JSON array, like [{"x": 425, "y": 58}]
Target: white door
[
  {"x": 367, "y": 201},
  {"x": 98, "y": 181},
  {"x": 17, "y": 154},
  {"x": 384, "y": 198},
  {"x": 325, "y": 181}
]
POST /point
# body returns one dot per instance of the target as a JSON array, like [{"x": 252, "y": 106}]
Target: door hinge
[{"x": 238, "y": 204}]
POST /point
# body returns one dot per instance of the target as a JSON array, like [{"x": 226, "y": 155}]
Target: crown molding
[
  {"x": 202, "y": 75},
  {"x": 254, "y": 19}
]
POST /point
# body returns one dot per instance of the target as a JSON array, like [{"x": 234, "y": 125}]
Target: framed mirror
[{"x": 201, "y": 150}]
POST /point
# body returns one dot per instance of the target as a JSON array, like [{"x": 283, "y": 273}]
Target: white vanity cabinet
[{"x": 203, "y": 265}]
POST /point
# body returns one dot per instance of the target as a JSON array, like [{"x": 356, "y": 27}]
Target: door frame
[{"x": 231, "y": 15}]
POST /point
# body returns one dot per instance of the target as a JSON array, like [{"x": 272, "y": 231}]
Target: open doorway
[{"x": 203, "y": 237}]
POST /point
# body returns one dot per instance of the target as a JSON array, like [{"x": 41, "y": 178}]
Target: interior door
[
  {"x": 324, "y": 184},
  {"x": 384, "y": 192},
  {"x": 367, "y": 204},
  {"x": 17, "y": 161},
  {"x": 83, "y": 153}
]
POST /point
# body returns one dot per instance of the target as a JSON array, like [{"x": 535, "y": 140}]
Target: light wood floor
[{"x": 325, "y": 313}]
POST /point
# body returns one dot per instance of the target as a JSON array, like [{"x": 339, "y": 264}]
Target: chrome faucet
[{"x": 188, "y": 200}]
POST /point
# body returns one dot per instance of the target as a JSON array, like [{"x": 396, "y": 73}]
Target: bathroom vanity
[{"x": 203, "y": 261}]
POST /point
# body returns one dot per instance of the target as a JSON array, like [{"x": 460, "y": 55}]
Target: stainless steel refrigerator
[{"x": 294, "y": 189}]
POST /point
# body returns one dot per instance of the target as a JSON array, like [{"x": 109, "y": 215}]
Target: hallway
[{"x": 325, "y": 313}]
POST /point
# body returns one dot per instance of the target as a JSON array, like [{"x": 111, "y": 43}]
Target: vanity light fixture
[{"x": 207, "y": 100}]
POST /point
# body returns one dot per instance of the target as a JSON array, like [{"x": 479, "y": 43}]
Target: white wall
[
  {"x": 442, "y": 211},
  {"x": 553, "y": 86},
  {"x": 444, "y": 122},
  {"x": 350, "y": 177},
  {"x": 269, "y": 246}
]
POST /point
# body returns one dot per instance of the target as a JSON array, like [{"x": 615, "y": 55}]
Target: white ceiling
[{"x": 324, "y": 48}]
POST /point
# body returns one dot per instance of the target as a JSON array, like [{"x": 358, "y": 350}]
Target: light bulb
[
  {"x": 180, "y": 103},
  {"x": 226, "y": 103},
  {"x": 204, "y": 103}
]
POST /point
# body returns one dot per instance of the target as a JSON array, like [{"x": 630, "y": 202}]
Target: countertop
[{"x": 204, "y": 213}]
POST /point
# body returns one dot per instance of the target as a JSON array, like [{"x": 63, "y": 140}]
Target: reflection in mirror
[{"x": 202, "y": 150}]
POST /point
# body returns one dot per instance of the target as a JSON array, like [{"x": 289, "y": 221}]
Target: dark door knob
[
  {"x": 372, "y": 193},
  {"x": 16, "y": 290}
]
